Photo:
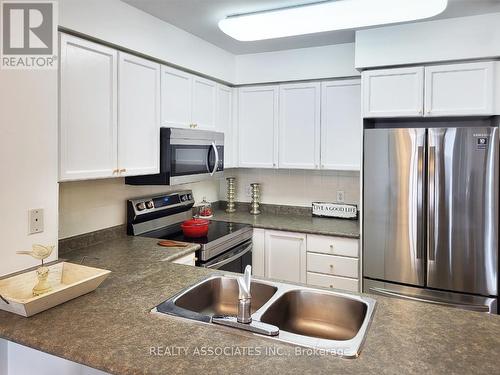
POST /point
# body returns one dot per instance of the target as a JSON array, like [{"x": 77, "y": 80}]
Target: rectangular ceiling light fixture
[{"x": 327, "y": 16}]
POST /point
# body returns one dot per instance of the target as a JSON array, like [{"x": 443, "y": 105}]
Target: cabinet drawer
[
  {"x": 333, "y": 245},
  {"x": 327, "y": 281},
  {"x": 332, "y": 265}
]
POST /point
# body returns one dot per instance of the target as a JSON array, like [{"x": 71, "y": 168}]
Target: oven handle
[
  {"x": 216, "y": 165},
  {"x": 229, "y": 260}
]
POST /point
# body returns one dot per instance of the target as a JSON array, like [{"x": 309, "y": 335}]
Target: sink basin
[
  {"x": 332, "y": 321},
  {"x": 217, "y": 295},
  {"x": 316, "y": 314}
]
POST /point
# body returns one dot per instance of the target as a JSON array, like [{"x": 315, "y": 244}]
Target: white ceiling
[{"x": 200, "y": 17}]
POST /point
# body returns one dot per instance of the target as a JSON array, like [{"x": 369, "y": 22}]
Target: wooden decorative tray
[{"x": 68, "y": 281}]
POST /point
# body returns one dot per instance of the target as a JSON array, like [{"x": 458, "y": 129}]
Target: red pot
[{"x": 195, "y": 228}]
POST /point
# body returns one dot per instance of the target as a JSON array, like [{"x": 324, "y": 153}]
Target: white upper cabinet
[
  {"x": 258, "y": 126},
  {"x": 138, "y": 115},
  {"x": 176, "y": 97},
  {"x": 299, "y": 125},
  {"x": 460, "y": 89},
  {"x": 88, "y": 110},
  {"x": 393, "y": 92},
  {"x": 224, "y": 122},
  {"x": 187, "y": 101},
  {"x": 285, "y": 256},
  {"x": 204, "y": 103},
  {"x": 341, "y": 125}
]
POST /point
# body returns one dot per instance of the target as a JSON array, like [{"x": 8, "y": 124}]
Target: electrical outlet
[
  {"x": 340, "y": 196},
  {"x": 36, "y": 220}
]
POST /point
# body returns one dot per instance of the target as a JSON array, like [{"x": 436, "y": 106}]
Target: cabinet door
[
  {"x": 258, "y": 252},
  {"x": 225, "y": 122},
  {"x": 258, "y": 127},
  {"x": 138, "y": 116},
  {"x": 285, "y": 256},
  {"x": 459, "y": 89},
  {"x": 88, "y": 110},
  {"x": 204, "y": 108},
  {"x": 341, "y": 125},
  {"x": 176, "y": 97},
  {"x": 393, "y": 92},
  {"x": 299, "y": 125}
]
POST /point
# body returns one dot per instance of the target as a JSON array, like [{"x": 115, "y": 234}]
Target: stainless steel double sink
[{"x": 326, "y": 320}]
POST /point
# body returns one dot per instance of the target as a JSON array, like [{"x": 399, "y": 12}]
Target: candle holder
[
  {"x": 254, "y": 205},
  {"x": 231, "y": 194}
]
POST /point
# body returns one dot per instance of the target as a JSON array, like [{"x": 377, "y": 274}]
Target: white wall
[
  {"x": 24, "y": 361},
  {"x": 296, "y": 64},
  {"x": 293, "y": 187},
  {"x": 440, "y": 40},
  {"x": 28, "y": 162},
  {"x": 3, "y": 357},
  {"x": 87, "y": 206},
  {"x": 116, "y": 22}
]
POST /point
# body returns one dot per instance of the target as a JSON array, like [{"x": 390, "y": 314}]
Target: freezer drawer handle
[{"x": 390, "y": 293}]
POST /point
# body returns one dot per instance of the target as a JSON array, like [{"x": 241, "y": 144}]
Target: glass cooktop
[{"x": 216, "y": 230}]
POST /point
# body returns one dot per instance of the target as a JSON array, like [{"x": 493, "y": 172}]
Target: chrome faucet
[
  {"x": 245, "y": 298},
  {"x": 244, "y": 318}
]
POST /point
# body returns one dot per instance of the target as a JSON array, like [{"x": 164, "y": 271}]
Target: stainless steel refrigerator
[{"x": 430, "y": 213}]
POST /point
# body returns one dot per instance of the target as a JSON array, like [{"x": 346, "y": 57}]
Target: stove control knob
[
  {"x": 184, "y": 198},
  {"x": 190, "y": 197},
  {"x": 140, "y": 206},
  {"x": 150, "y": 204}
]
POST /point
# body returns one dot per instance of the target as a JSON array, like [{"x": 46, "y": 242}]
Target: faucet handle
[{"x": 244, "y": 283}]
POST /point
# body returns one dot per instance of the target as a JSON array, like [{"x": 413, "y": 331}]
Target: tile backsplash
[
  {"x": 87, "y": 206},
  {"x": 294, "y": 187}
]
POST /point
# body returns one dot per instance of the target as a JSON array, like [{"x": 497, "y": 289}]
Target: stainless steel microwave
[{"x": 186, "y": 155}]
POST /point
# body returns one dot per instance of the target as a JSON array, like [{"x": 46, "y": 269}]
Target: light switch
[{"x": 36, "y": 220}]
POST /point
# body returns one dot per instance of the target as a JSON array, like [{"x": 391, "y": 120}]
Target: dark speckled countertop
[
  {"x": 293, "y": 222},
  {"x": 112, "y": 329}
]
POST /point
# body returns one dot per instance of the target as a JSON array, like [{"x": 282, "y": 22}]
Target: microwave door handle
[{"x": 216, "y": 165}]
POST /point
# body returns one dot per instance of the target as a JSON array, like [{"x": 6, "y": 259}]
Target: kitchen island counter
[{"x": 112, "y": 329}]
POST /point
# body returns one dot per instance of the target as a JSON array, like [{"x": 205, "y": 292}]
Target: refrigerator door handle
[
  {"x": 420, "y": 202},
  {"x": 390, "y": 293},
  {"x": 431, "y": 251}
]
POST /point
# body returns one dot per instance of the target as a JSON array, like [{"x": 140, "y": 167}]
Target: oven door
[{"x": 233, "y": 260}]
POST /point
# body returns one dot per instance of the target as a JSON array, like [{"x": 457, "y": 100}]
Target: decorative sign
[{"x": 338, "y": 210}]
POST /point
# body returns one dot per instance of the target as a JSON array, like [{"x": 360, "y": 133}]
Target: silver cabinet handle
[{"x": 390, "y": 293}]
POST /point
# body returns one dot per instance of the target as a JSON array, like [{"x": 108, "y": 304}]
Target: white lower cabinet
[
  {"x": 328, "y": 281},
  {"x": 332, "y": 265},
  {"x": 285, "y": 256},
  {"x": 324, "y": 261}
]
